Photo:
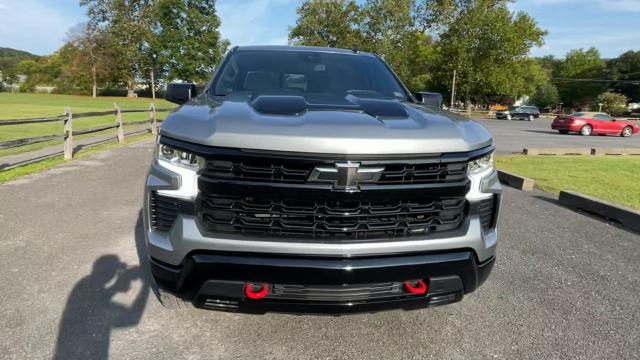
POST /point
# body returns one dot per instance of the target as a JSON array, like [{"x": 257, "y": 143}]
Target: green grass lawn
[
  {"x": 14, "y": 173},
  {"x": 611, "y": 178},
  {"x": 15, "y": 106},
  {"x": 18, "y": 105}
]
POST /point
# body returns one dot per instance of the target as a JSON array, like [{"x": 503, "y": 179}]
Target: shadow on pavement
[
  {"x": 91, "y": 312},
  {"x": 545, "y": 132}
]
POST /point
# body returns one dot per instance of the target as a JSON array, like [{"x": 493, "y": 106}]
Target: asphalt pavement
[
  {"x": 511, "y": 136},
  {"x": 565, "y": 286}
]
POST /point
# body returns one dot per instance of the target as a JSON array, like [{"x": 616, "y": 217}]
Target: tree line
[
  {"x": 484, "y": 42},
  {"x": 126, "y": 42},
  {"x": 424, "y": 41}
]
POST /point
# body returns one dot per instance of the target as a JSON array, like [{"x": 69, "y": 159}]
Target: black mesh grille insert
[
  {"x": 279, "y": 170},
  {"x": 486, "y": 210},
  {"x": 351, "y": 292},
  {"x": 257, "y": 170},
  {"x": 423, "y": 173},
  {"x": 331, "y": 220},
  {"x": 163, "y": 210}
]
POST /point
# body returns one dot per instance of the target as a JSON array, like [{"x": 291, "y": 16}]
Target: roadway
[
  {"x": 512, "y": 136},
  {"x": 564, "y": 286}
]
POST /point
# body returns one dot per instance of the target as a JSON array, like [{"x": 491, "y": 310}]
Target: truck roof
[{"x": 300, "y": 48}]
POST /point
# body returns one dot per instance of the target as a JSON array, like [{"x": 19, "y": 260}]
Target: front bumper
[
  {"x": 211, "y": 268},
  {"x": 216, "y": 281}
]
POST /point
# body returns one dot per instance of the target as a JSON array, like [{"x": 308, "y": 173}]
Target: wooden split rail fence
[{"x": 69, "y": 132}]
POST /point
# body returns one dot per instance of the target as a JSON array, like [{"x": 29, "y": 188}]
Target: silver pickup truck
[{"x": 304, "y": 179}]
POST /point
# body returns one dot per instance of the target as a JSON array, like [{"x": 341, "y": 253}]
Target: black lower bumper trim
[{"x": 216, "y": 281}]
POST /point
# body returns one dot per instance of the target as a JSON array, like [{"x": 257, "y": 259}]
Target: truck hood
[{"x": 350, "y": 126}]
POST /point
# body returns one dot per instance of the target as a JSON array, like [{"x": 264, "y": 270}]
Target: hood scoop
[{"x": 297, "y": 105}]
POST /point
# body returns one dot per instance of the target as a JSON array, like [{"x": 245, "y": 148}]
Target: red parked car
[{"x": 587, "y": 123}]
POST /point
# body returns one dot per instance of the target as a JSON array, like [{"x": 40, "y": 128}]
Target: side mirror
[
  {"x": 181, "y": 93},
  {"x": 430, "y": 99}
]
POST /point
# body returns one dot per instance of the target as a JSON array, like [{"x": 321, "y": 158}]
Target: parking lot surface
[
  {"x": 511, "y": 136},
  {"x": 565, "y": 286}
]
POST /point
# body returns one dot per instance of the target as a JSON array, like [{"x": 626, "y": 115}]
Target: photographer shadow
[{"x": 92, "y": 312}]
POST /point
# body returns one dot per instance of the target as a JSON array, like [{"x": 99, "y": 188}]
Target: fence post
[
  {"x": 119, "y": 129},
  {"x": 152, "y": 119},
  {"x": 68, "y": 134}
]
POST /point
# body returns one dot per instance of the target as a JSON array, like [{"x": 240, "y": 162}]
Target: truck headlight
[
  {"x": 481, "y": 164},
  {"x": 179, "y": 157},
  {"x": 184, "y": 165}
]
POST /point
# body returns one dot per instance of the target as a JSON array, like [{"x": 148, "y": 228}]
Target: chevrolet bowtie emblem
[{"x": 346, "y": 176}]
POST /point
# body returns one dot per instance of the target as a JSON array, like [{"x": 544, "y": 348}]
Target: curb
[
  {"x": 581, "y": 151},
  {"x": 628, "y": 217},
  {"x": 615, "y": 151},
  {"x": 557, "y": 151},
  {"x": 516, "y": 181}
]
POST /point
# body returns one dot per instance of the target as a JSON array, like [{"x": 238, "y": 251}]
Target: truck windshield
[{"x": 307, "y": 73}]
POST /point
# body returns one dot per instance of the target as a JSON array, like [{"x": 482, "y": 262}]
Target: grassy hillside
[{"x": 9, "y": 58}]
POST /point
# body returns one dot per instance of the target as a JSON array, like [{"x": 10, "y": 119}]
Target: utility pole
[
  {"x": 153, "y": 87},
  {"x": 453, "y": 90}
]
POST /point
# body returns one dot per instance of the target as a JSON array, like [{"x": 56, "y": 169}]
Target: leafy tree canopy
[
  {"x": 488, "y": 46},
  {"x": 389, "y": 28},
  {"x": 612, "y": 103},
  {"x": 545, "y": 97},
  {"x": 186, "y": 39},
  {"x": 579, "y": 65},
  {"x": 626, "y": 67}
]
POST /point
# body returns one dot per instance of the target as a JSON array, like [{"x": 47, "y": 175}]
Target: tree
[
  {"x": 176, "y": 39},
  {"x": 187, "y": 41},
  {"x": 42, "y": 71},
  {"x": 626, "y": 67},
  {"x": 332, "y": 23},
  {"x": 128, "y": 24},
  {"x": 574, "y": 75},
  {"x": 546, "y": 96},
  {"x": 388, "y": 28},
  {"x": 486, "y": 44},
  {"x": 612, "y": 103},
  {"x": 9, "y": 59},
  {"x": 90, "y": 61}
]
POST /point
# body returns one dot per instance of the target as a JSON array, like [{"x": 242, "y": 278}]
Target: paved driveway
[
  {"x": 564, "y": 286},
  {"x": 512, "y": 136}
]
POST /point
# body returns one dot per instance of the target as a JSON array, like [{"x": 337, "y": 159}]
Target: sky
[{"x": 612, "y": 26}]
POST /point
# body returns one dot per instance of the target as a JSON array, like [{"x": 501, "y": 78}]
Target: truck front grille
[
  {"x": 339, "y": 220},
  {"x": 278, "y": 170}
]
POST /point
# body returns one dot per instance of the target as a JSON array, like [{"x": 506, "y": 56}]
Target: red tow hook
[
  {"x": 253, "y": 294},
  {"x": 417, "y": 287}
]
